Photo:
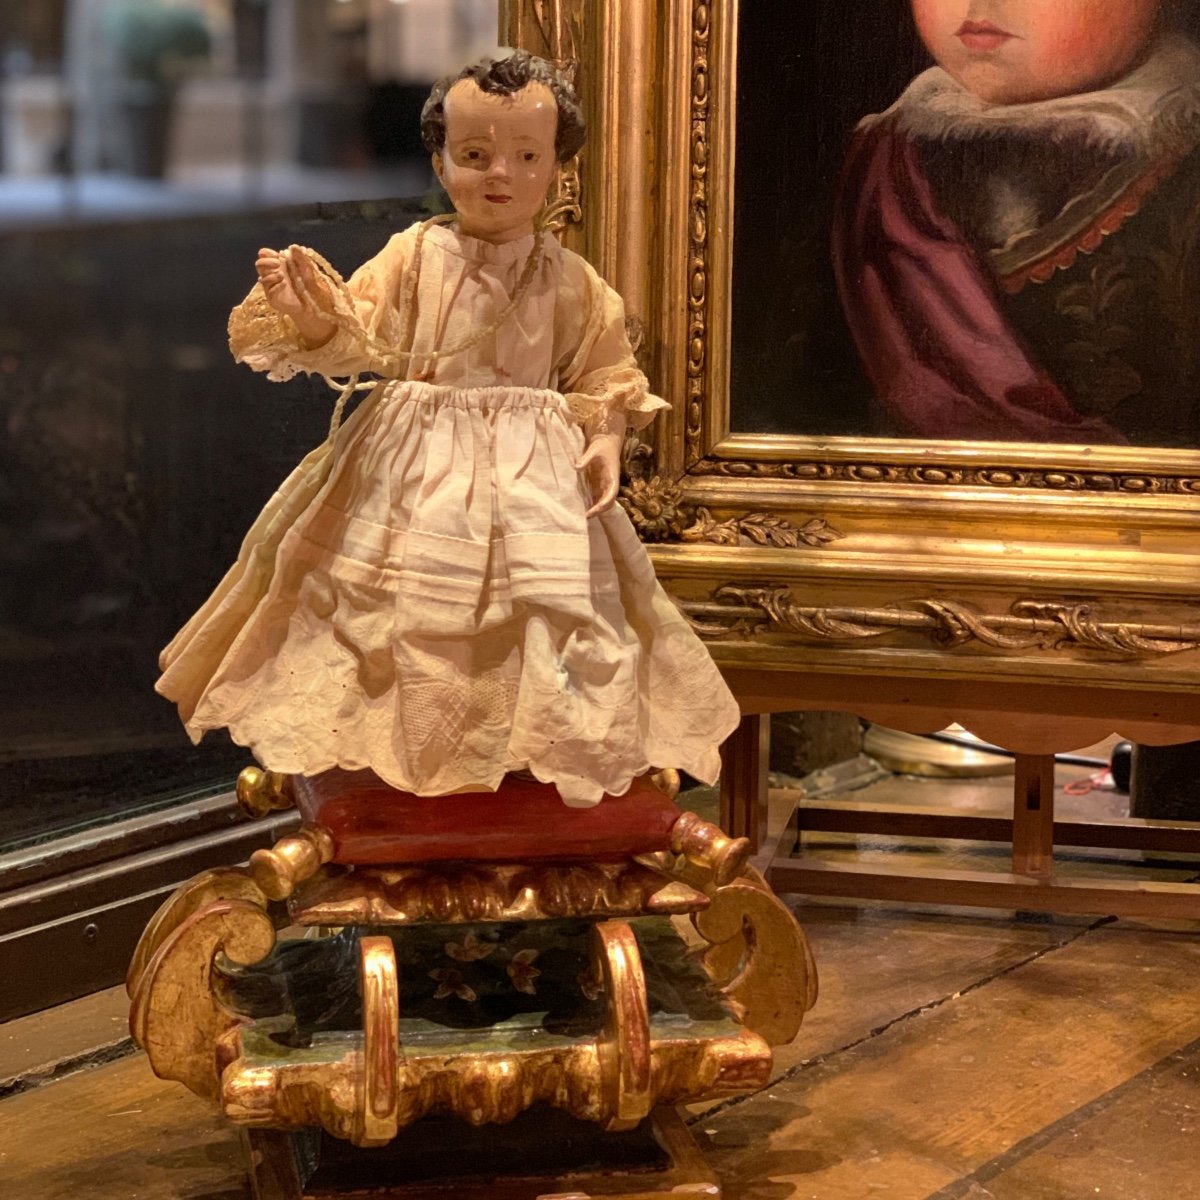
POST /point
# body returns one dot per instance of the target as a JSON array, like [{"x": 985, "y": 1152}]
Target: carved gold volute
[{"x": 553, "y": 30}]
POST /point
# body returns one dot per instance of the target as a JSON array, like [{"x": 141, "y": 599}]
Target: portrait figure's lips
[
  {"x": 981, "y": 37},
  {"x": 497, "y": 199}
]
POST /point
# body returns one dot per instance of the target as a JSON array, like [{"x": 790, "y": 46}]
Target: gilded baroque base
[{"x": 591, "y": 991}]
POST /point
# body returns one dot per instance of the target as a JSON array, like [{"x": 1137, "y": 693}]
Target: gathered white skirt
[{"x": 427, "y": 599}]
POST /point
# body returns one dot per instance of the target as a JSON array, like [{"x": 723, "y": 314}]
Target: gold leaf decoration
[
  {"x": 659, "y": 513},
  {"x": 747, "y": 612},
  {"x": 949, "y": 475},
  {"x": 655, "y": 506},
  {"x": 1080, "y": 628},
  {"x": 760, "y": 529},
  {"x": 697, "y": 282},
  {"x": 560, "y": 24}
]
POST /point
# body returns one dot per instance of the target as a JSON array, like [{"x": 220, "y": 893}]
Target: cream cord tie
[{"x": 390, "y": 357}]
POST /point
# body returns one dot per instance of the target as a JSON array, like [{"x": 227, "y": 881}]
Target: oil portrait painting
[{"x": 979, "y": 222}]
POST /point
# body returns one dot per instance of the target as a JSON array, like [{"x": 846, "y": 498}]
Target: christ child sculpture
[
  {"x": 1015, "y": 238},
  {"x": 445, "y": 592}
]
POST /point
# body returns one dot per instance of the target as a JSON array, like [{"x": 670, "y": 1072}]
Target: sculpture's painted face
[
  {"x": 499, "y": 158},
  {"x": 1012, "y": 51}
]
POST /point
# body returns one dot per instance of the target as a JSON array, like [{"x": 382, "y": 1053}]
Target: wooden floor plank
[
  {"x": 880, "y": 965},
  {"x": 117, "y": 1133},
  {"x": 1105, "y": 1154},
  {"x": 877, "y": 965},
  {"x": 911, "y": 1111},
  {"x": 36, "y": 1046}
]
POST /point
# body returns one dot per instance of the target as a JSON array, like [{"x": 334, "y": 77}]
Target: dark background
[
  {"x": 807, "y": 74},
  {"x": 134, "y": 454}
]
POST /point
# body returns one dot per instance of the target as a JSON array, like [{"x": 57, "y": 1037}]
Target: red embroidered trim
[{"x": 1042, "y": 270}]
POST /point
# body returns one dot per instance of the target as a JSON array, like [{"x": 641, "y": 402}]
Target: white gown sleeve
[
  {"x": 598, "y": 372},
  {"x": 266, "y": 340}
]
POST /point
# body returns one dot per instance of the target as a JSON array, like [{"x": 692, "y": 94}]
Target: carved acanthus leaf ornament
[{"x": 660, "y": 513}]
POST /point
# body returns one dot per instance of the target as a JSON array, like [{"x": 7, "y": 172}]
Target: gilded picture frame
[{"x": 1014, "y": 562}]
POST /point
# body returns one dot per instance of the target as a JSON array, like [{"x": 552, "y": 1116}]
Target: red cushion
[{"x": 521, "y": 821}]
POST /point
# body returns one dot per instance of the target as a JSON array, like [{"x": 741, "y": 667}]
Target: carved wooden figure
[
  {"x": 445, "y": 592},
  {"x": 438, "y": 631}
]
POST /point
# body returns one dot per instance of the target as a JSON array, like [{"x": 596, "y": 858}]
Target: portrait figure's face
[
  {"x": 1013, "y": 51},
  {"x": 499, "y": 158}
]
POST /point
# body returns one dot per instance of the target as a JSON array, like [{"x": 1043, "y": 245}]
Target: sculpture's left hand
[{"x": 602, "y": 463}]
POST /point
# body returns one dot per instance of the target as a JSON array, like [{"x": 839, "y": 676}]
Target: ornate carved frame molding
[{"x": 841, "y": 554}]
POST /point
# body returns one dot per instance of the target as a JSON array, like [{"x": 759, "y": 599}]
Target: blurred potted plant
[{"x": 157, "y": 46}]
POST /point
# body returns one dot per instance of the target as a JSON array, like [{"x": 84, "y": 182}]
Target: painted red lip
[
  {"x": 498, "y": 199},
  {"x": 982, "y": 36}
]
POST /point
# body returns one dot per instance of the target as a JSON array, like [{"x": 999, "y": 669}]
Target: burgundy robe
[{"x": 927, "y": 315}]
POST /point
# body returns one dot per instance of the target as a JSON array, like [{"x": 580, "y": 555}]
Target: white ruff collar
[{"x": 1153, "y": 111}]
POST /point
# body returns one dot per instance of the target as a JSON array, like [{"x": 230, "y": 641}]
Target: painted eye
[{"x": 530, "y": 156}]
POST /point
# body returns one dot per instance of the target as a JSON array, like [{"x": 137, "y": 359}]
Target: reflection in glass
[
  {"x": 115, "y": 109},
  {"x": 133, "y": 452}
]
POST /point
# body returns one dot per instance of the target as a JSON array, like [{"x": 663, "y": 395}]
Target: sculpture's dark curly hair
[{"x": 503, "y": 77}]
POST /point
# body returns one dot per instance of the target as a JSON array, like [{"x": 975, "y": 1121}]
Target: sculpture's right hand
[
  {"x": 276, "y": 280},
  {"x": 290, "y": 283}
]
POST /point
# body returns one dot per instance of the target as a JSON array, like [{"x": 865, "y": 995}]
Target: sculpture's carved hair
[{"x": 503, "y": 77}]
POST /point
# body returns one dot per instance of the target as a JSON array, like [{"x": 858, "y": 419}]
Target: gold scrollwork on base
[
  {"x": 751, "y": 946},
  {"x": 625, "y": 1054},
  {"x": 365, "y": 1085},
  {"x": 175, "y": 1016},
  {"x": 488, "y": 892},
  {"x": 759, "y": 958},
  {"x": 1029, "y": 624},
  {"x": 190, "y": 898}
]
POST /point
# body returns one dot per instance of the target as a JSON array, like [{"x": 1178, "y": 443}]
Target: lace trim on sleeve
[
  {"x": 621, "y": 389},
  {"x": 266, "y": 340}
]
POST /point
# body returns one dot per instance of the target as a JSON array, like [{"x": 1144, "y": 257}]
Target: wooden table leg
[
  {"x": 1033, "y": 816},
  {"x": 745, "y": 760},
  {"x": 1030, "y": 885}
]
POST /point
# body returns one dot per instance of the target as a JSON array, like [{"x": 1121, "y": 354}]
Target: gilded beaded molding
[
  {"x": 946, "y": 475},
  {"x": 698, "y": 246}
]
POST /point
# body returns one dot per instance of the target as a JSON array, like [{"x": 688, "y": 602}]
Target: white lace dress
[{"x": 425, "y": 597}]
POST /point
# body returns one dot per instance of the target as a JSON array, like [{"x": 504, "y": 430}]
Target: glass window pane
[{"x": 134, "y": 453}]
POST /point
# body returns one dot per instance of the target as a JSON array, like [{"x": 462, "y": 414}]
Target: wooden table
[{"x": 1035, "y": 724}]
